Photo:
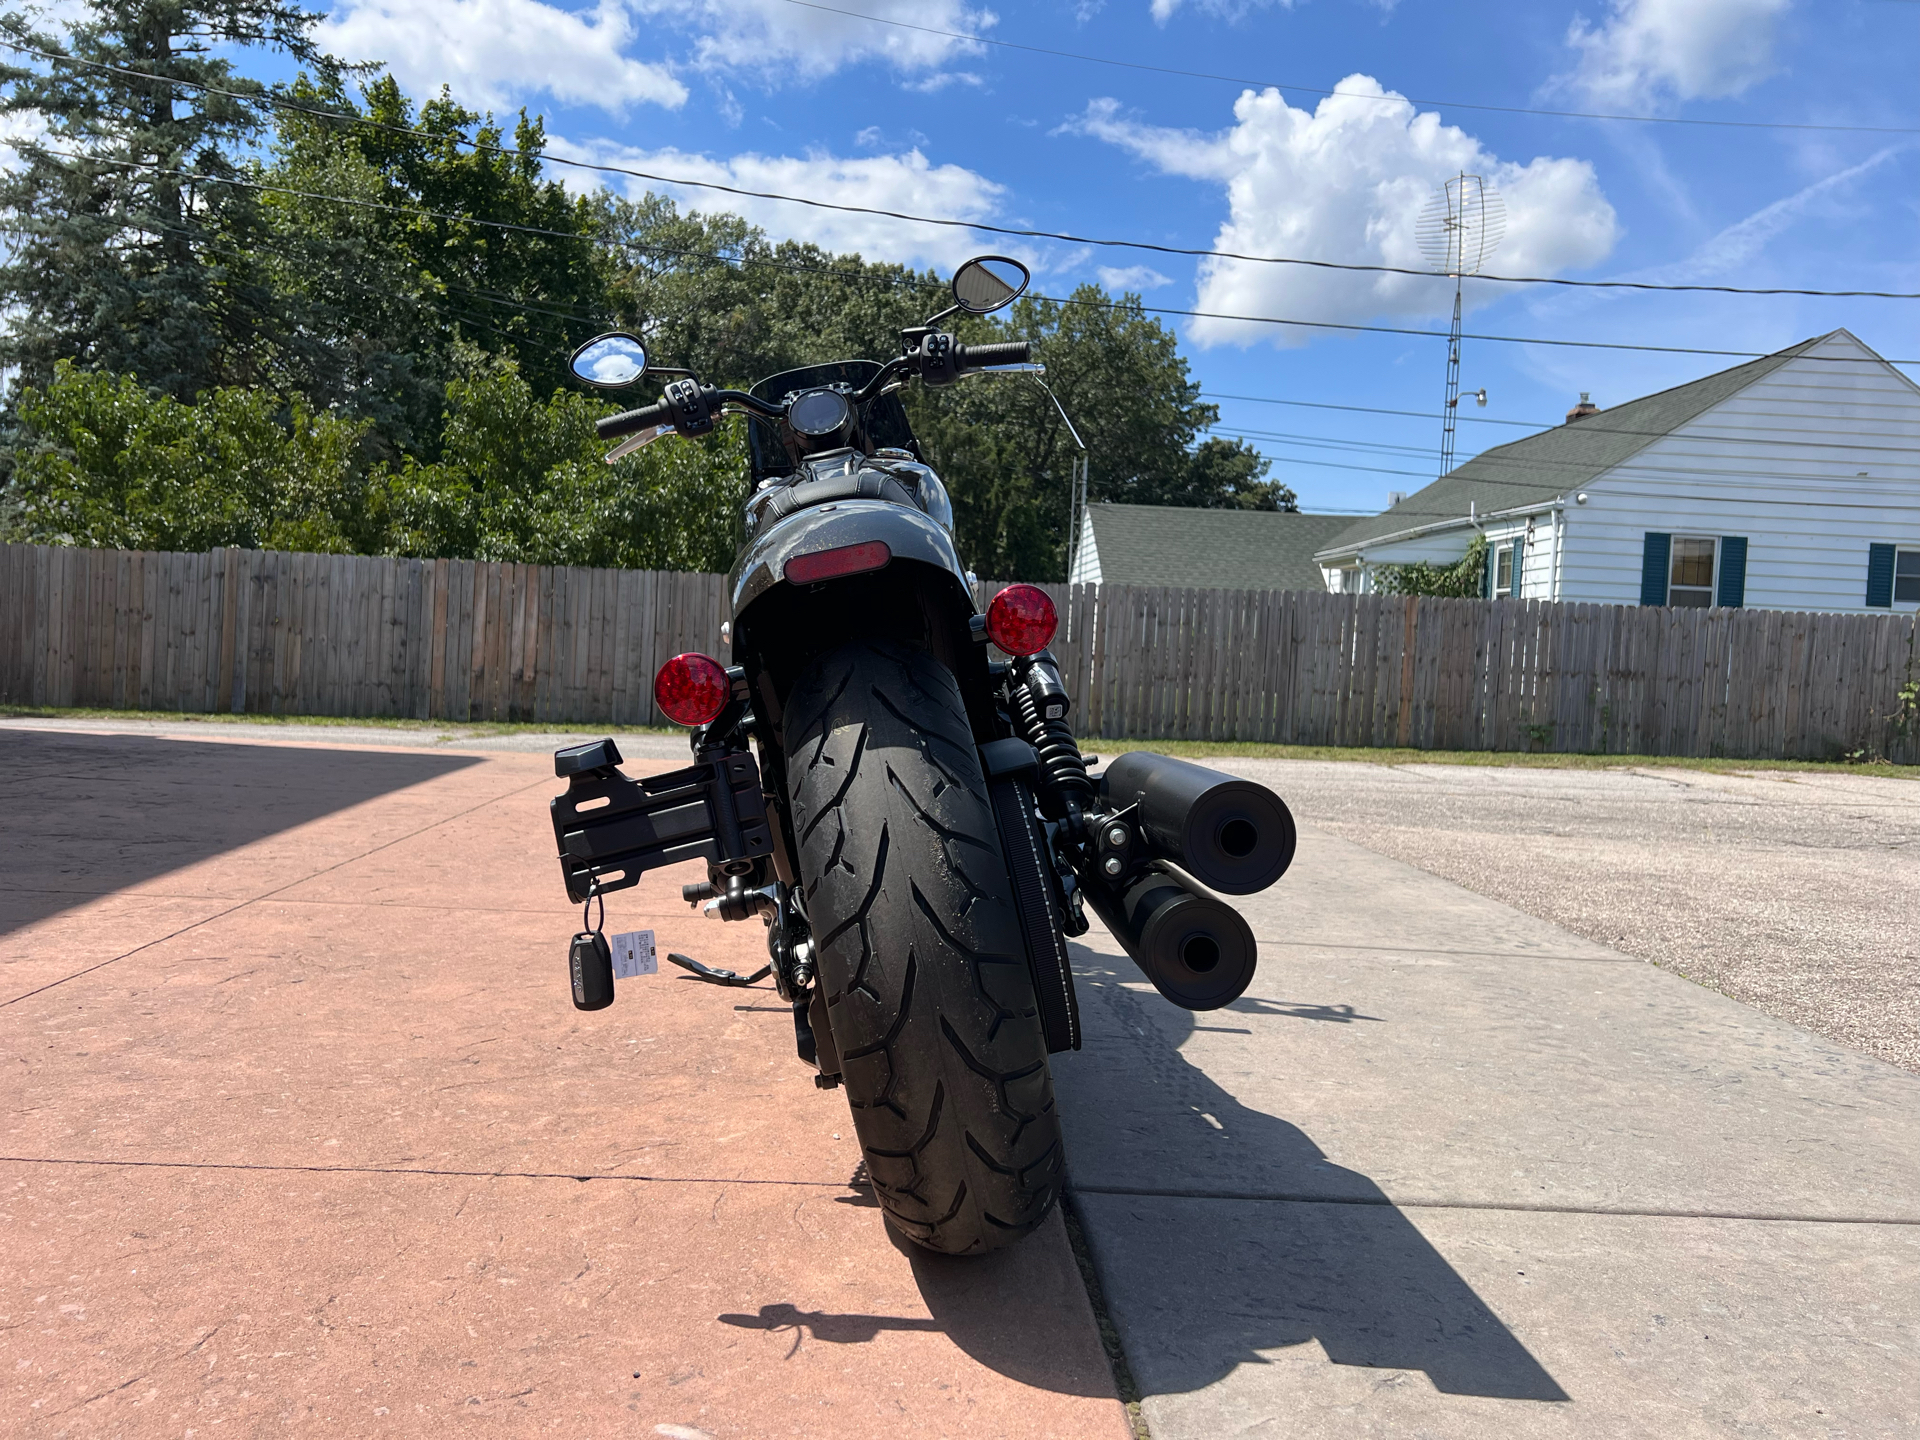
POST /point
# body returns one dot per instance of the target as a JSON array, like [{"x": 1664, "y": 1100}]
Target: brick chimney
[{"x": 1585, "y": 408}]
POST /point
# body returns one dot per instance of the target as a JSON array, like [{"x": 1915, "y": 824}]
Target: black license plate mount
[{"x": 610, "y": 829}]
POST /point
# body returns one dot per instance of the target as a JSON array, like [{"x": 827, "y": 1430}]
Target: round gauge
[{"x": 819, "y": 412}]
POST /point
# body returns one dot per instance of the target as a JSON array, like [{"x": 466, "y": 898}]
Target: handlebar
[
  {"x": 1004, "y": 352},
  {"x": 663, "y": 412},
  {"x": 631, "y": 422}
]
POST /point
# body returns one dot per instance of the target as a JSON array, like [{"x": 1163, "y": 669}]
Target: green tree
[
  {"x": 115, "y": 464},
  {"x": 522, "y": 479},
  {"x": 120, "y": 259},
  {"x": 374, "y": 239}
]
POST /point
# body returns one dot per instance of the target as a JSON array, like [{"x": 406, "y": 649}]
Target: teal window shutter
[
  {"x": 1880, "y": 576},
  {"x": 1733, "y": 572},
  {"x": 1654, "y": 559}
]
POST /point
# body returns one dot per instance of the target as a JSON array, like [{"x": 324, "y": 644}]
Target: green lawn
[
  {"x": 1192, "y": 749},
  {"x": 1202, "y": 749}
]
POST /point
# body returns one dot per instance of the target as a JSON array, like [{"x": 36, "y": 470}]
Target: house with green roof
[
  {"x": 1791, "y": 482},
  {"x": 1206, "y": 549}
]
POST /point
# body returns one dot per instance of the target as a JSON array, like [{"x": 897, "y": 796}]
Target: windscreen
[{"x": 884, "y": 418}]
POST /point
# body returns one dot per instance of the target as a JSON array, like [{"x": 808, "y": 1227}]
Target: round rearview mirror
[
  {"x": 610, "y": 361},
  {"x": 987, "y": 282}
]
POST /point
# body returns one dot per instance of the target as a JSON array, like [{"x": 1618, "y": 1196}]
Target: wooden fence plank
[{"x": 326, "y": 634}]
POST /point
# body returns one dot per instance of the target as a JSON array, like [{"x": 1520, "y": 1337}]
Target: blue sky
[{"x": 783, "y": 96}]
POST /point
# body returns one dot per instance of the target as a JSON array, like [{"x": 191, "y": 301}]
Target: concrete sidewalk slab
[
  {"x": 342, "y": 1153},
  {"x": 1440, "y": 1136}
]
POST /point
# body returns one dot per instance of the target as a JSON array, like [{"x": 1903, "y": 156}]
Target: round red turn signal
[
  {"x": 1021, "y": 619},
  {"x": 691, "y": 689}
]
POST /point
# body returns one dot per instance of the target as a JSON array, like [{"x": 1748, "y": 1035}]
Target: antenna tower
[{"x": 1458, "y": 231}]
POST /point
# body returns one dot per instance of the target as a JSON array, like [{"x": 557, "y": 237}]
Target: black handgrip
[
  {"x": 632, "y": 422},
  {"x": 1002, "y": 352}
]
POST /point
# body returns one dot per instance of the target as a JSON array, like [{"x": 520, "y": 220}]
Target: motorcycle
[{"x": 886, "y": 778}]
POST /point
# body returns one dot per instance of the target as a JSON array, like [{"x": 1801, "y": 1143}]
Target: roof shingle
[
  {"x": 1535, "y": 470},
  {"x": 1211, "y": 549}
]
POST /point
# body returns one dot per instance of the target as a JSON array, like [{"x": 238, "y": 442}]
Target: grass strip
[
  {"x": 1518, "y": 759},
  {"x": 1189, "y": 749}
]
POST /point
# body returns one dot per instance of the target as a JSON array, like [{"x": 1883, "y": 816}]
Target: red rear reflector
[
  {"x": 831, "y": 564},
  {"x": 1021, "y": 620},
  {"x": 691, "y": 689}
]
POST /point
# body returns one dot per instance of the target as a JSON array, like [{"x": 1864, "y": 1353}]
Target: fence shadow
[
  {"x": 1221, "y": 1232},
  {"x": 87, "y": 815}
]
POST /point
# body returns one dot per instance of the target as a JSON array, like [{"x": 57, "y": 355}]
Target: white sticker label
[{"x": 633, "y": 955}]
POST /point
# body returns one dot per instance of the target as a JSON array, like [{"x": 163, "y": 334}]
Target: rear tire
[{"x": 920, "y": 951}]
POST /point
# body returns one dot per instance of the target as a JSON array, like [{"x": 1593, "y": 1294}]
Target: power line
[
  {"x": 985, "y": 227},
  {"x": 1593, "y": 426},
  {"x": 1370, "y": 409},
  {"x": 1377, "y": 99},
  {"x": 901, "y": 282}
]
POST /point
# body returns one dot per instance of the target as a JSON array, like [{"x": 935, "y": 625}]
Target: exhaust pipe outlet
[
  {"x": 1229, "y": 834},
  {"x": 1197, "y": 951}
]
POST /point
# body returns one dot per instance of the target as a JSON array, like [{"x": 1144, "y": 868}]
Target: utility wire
[
  {"x": 985, "y": 227},
  {"x": 1377, "y": 99},
  {"x": 906, "y": 282},
  {"x": 1593, "y": 425}
]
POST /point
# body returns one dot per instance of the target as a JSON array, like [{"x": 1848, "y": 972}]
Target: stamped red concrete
[{"x": 300, "y": 1130}]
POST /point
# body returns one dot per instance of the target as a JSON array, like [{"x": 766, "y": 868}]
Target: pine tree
[{"x": 127, "y": 254}]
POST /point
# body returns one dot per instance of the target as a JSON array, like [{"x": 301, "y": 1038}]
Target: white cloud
[
  {"x": 1163, "y": 10},
  {"x": 1647, "y": 50},
  {"x": 1347, "y": 183},
  {"x": 905, "y": 182},
  {"x": 1137, "y": 278},
  {"x": 492, "y": 52},
  {"x": 776, "y": 38}
]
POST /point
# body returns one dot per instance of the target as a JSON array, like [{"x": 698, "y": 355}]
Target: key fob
[{"x": 591, "y": 965}]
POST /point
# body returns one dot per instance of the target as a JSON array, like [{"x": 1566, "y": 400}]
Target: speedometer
[{"x": 819, "y": 412}]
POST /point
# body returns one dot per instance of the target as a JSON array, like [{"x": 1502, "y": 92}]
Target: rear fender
[{"x": 919, "y": 598}]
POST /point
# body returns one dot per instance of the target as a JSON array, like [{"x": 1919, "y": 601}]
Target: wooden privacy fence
[
  {"x": 1306, "y": 668},
  {"x": 288, "y": 634},
  {"x": 239, "y": 630}
]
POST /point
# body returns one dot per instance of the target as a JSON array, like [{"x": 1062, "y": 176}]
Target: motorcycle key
[{"x": 590, "y": 959}]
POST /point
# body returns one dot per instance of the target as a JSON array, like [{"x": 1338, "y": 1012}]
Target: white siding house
[{"x": 1791, "y": 483}]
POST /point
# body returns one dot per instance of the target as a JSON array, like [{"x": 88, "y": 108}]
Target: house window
[
  {"x": 1906, "y": 577},
  {"x": 1503, "y": 568},
  {"x": 1691, "y": 582}
]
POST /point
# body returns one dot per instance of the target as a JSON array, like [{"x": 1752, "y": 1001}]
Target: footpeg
[{"x": 719, "y": 977}]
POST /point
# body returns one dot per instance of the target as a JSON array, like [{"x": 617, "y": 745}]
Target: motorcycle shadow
[{"x": 1220, "y": 1232}]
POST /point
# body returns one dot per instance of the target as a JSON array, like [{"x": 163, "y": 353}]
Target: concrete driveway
[
  {"x": 1448, "y": 1170},
  {"x": 300, "y": 1129},
  {"x": 1797, "y": 892}
]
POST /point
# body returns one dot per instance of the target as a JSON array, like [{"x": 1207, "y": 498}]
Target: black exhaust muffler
[
  {"x": 1197, "y": 951},
  {"x": 1229, "y": 834}
]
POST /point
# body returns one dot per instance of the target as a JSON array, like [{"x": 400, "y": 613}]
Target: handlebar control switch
[
  {"x": 689, "y": 405},
  {"x": 939, "y": 359}
]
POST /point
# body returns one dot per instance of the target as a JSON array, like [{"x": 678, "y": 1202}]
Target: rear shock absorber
[{"x": 1040, "y": 703}]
